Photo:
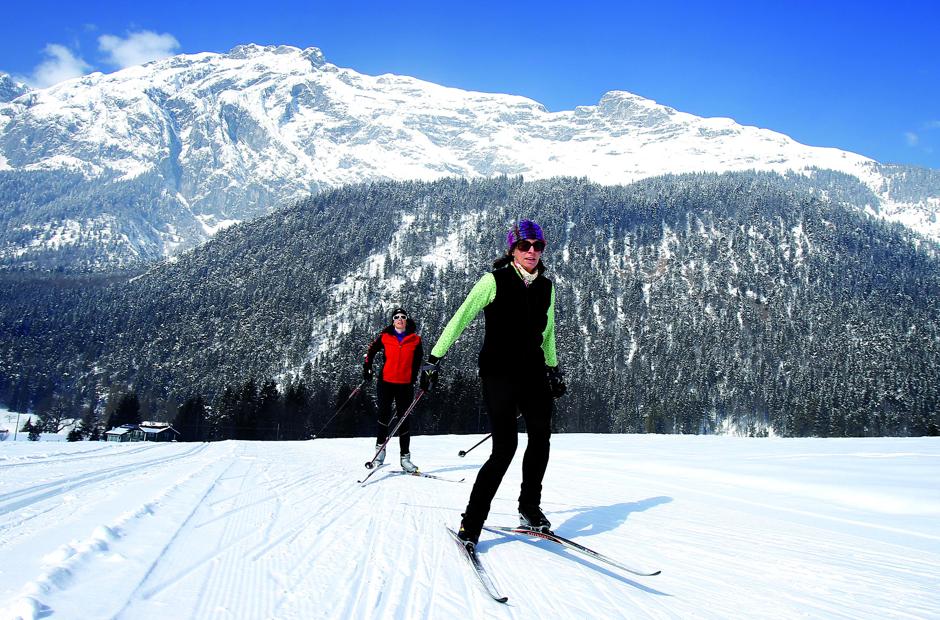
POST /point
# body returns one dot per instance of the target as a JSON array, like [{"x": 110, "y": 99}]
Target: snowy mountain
[
  {"x": 106, "y": 170},
  {"x": 740, "y": 528},
  {"x": 10, "y": 89}
]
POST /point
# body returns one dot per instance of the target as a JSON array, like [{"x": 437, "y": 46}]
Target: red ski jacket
[{"x": 402, "y": 359}]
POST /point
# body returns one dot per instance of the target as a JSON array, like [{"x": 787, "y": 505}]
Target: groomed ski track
[{"x": 741, "y": 528}]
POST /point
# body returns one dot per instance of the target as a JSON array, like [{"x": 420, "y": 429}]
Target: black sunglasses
[
  {"x": 525, "y": 244},
  {"x": 399, "y": 316}
]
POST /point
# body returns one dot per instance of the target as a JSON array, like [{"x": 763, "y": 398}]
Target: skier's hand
[
  {"x": 367, "y": 371},
  {"x": 429, "y": 374},
  {"x": 556, "y": 381}
]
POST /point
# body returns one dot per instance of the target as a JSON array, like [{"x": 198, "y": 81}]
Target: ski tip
[{"x": 471, "y": 555}]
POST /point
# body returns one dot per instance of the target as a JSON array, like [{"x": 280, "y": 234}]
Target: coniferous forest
[{"x": 705, "y": 303}]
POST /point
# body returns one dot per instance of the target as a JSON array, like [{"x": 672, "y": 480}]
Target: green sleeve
[
  {"x": 480, "y": 296},
  {"x": 548, "y": 336}
]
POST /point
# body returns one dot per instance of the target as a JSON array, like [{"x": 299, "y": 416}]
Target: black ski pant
[
  {"x": 504, "y": 397},
  {"x": 401, "y": 394}
]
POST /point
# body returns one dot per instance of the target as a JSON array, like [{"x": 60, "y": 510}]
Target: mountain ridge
[{"x": 210, "y": 139}]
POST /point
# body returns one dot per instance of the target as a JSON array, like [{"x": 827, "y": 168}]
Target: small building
[
  {"x": 159, "y": 432},
  {"x": 146, "y": 431},
  {"x": 127, "y": 432}
]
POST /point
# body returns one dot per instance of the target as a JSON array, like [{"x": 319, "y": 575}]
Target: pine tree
[
  {"x": 127, "y": 411},
  {"x": 89, "y": 426},
  {"x": 295, "y": 413},
  {"x": 191, "y": 421},
  {"x": 270, "y": 406}
]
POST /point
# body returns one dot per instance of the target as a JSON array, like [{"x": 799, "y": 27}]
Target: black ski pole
[
  {"x": 463, "y": 453},
  {"x": 370, "y": 464},
  {"x": 341, "y": 407}
]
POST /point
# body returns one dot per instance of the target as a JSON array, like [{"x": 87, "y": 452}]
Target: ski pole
[
  {"x": 371, "y": 463},
  {"x": 463, "y": 453},
  {"x": 341, "y": 407}
]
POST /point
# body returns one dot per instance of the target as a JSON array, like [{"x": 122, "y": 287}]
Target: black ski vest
[{"x": 515, "y": 320}]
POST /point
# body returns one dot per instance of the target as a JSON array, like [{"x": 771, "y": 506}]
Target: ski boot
[
  {"x": 469, "y": 535},
  {"x": 406, "y": 463},
  {"x": 531, "y": 517},
  {"x": 380, "y": 458}
]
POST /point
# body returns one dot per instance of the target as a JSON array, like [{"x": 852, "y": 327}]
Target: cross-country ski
[
  {"x": 569, "y": 544},
  {"x": 473, "y": 560},
  {"x": 421, "y": 474}
]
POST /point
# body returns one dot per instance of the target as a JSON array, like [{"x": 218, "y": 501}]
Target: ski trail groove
[{"x": 16, "y": 500}]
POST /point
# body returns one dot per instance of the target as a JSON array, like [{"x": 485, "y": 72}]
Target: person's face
[
  {"x": 399, "y": 321},
  {"x": 527, "y": 253}
]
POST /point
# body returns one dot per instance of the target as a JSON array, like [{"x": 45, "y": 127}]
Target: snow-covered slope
[
  {"x": 741, "y": 528},
  {"x": 217, "y": 138}
]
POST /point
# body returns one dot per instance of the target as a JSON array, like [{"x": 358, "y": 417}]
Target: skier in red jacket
[{"x": 401, "y": 346}]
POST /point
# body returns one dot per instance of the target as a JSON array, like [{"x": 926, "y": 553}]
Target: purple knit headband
[{"x": 525, "y": 229}]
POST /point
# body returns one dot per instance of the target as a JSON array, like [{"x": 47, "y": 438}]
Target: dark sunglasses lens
[
  {"x": 399, "y": 316},
  {"x": 525, "y": 245}
]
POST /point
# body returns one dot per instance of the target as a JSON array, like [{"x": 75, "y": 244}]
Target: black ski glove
[
  {"x": 556, "y": 381},
  {"x": 367, "y": 371},
  {"x": 429, "y": 374}
]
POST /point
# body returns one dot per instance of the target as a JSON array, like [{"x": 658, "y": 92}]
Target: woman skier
[{"x": 518, "y": 371}]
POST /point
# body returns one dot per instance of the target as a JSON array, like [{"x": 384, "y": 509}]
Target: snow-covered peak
[
  {"x": 252, "y": 50},
  {"x": 10, "y": 89},
  {"x": 623, "y": 105},
  {"x": 234, "y": 135},
  {"x": 336, "y": 125}
]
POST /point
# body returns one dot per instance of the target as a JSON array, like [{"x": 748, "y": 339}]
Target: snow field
[{"x": 741, "y": 528}]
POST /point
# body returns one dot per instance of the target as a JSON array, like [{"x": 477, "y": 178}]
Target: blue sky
[{"x": 861, "y": 76}]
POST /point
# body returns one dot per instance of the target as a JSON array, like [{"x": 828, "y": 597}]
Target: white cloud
[
  {"x": 60, "y": 65},
  {"x": 912, "y": 138},
  {"x": 137, "y": 48}
]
